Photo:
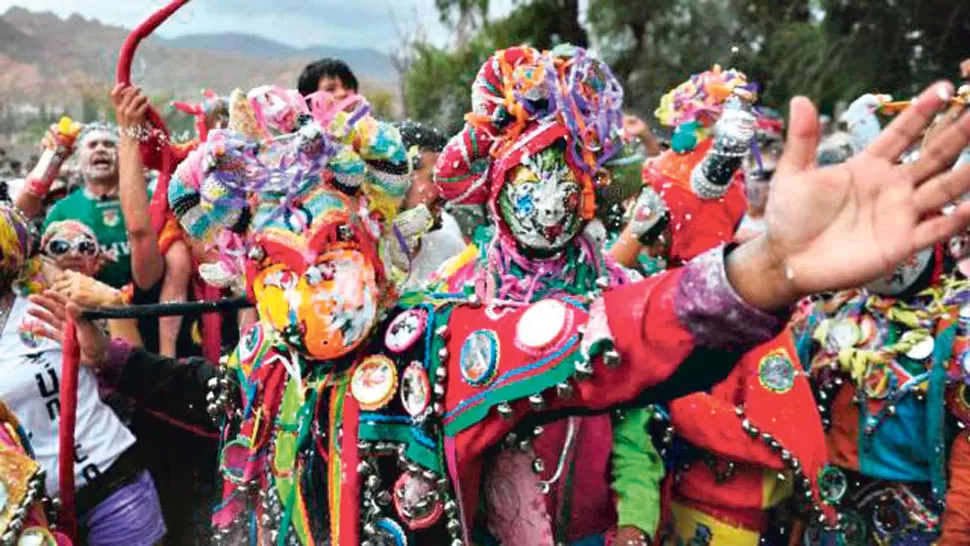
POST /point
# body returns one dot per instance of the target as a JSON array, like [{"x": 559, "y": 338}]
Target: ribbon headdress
[
  {"x": 522, "y": 102},
  {"x": 285, "y": 180}
]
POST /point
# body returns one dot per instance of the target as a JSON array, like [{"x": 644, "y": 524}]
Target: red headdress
[{"x": 522, "y": 102}]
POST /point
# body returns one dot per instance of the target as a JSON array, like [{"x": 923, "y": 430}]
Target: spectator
[
  {"x": 96, "y": 203},
  {"x": 330, "y": 75},
  {"x": 445, "y": 241}
]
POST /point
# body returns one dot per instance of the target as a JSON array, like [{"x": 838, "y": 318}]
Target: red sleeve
[
  {"x": 956, "y": 517},
  {"x": 656, "y": 324}
]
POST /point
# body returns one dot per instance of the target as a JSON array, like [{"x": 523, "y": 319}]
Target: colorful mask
[
  {"x": 540, "y": 203},
  {"x": 304, "y": 217},
  {"x": 325, "y": 311}
]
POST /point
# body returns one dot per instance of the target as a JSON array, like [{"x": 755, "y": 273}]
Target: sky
[{"x": 301, "y": 23}]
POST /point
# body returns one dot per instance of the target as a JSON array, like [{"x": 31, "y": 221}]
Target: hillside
[{"x": 46, "y": 59}]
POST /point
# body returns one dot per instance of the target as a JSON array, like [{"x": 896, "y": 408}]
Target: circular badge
[
  {"x": 922, "y": 349},
  {"x": 832, "y": 484},
  {"x": 405, "y": 330},
  {"x": 416, "y": 501},
  {"x": 958, "y": 402},
  {"x": 845, "y": 334},
  {"x": 374, "y": 382},
  {"x": 541, "y": 325},
  {"x": 415, "y": 389},
  {"x": 389, "y": 533},
  {"x": 776, "y": 372},
  {"x": 479, "y": 357}
]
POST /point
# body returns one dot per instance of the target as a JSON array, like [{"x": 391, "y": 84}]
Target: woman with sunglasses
[
  {"x": 74, "y": 247},
  {"x": 116, "y": 498}
]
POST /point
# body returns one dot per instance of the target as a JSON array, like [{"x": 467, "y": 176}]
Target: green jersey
[{"x": 104, "y": 218}]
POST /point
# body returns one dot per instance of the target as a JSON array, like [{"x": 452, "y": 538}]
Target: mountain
[
  {"x": 48, "y": 60},
  {"x": 365, "y": 62}
]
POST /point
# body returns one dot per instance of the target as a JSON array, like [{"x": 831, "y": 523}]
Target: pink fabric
[{"x": 516, "y": 508}]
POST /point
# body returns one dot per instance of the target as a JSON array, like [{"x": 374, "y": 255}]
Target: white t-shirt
[
  {"x": 437, "y": 247},
  {"x": 30, "y": 381}
]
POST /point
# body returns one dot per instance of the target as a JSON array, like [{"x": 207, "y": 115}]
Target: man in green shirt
[{"x": 96, "y": 203}]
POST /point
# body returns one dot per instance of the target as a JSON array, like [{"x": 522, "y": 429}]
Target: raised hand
[
  {"x": 130, "y": 106},
  {"x": 842, "y": 226}
]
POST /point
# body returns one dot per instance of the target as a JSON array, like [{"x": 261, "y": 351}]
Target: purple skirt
[{"x": 130, "y": 516}]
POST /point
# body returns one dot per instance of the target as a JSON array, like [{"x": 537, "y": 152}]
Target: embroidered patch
[
  {"x": 479, "y": 357},
  {"x": 374, "y": 382},
  {"x": 832, "y": 484},
  {"x": 417, "y": 501},
  {"x": 111, "y": 217},
  {"x": 405, "y": 330},
  {"x": 415, "y": 389},
  {"x": 541, "y": 325},
  {"x": 776, "y": 371},
  {"x": 389, "y": 533}
]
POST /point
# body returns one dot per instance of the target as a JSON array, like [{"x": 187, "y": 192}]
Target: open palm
[{"x": 842, "y": 226}]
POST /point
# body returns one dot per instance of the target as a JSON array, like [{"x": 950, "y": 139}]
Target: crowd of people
[{"x": 462, "y": 341}]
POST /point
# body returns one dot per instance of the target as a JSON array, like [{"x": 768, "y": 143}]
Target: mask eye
[
  {"x": 319, "y": 273},
  {"x": 284, "y": 280},
  {"x": 313, "y": 276}
]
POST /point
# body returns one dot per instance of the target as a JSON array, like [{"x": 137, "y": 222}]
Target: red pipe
[
  {"x": 158, "y": 209},
  {"x": 159, "y": 205},
  {"x": 68, "y": 418}
]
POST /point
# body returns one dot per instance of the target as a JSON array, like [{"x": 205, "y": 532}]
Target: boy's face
[{"x": 335, "y": 87}]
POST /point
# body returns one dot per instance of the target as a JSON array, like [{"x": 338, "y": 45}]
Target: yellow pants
[{"x": 694, "y": 527}]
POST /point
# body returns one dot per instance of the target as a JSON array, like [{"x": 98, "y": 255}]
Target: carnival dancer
[
  {"x": 116, "y": 498},
  {"x": 302, "y": 435},
  {"x": 23, "y": 510},
  {"x": 882, "y": 357},
  {"x": 754, "y": 440}
]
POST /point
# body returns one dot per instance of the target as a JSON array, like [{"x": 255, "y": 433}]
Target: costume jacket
[
  {"x": 383, "y": 474},
  {"x": 887, "y": 369}
]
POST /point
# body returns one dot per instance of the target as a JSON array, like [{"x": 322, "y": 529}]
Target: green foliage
[
  {"x": 381, "y": 103},
  {"x": 829, "y": 50},
  {"x": 439, "y": 84}
]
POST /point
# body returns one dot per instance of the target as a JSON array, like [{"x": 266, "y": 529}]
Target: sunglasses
[{"x": 82, "y": 246}]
